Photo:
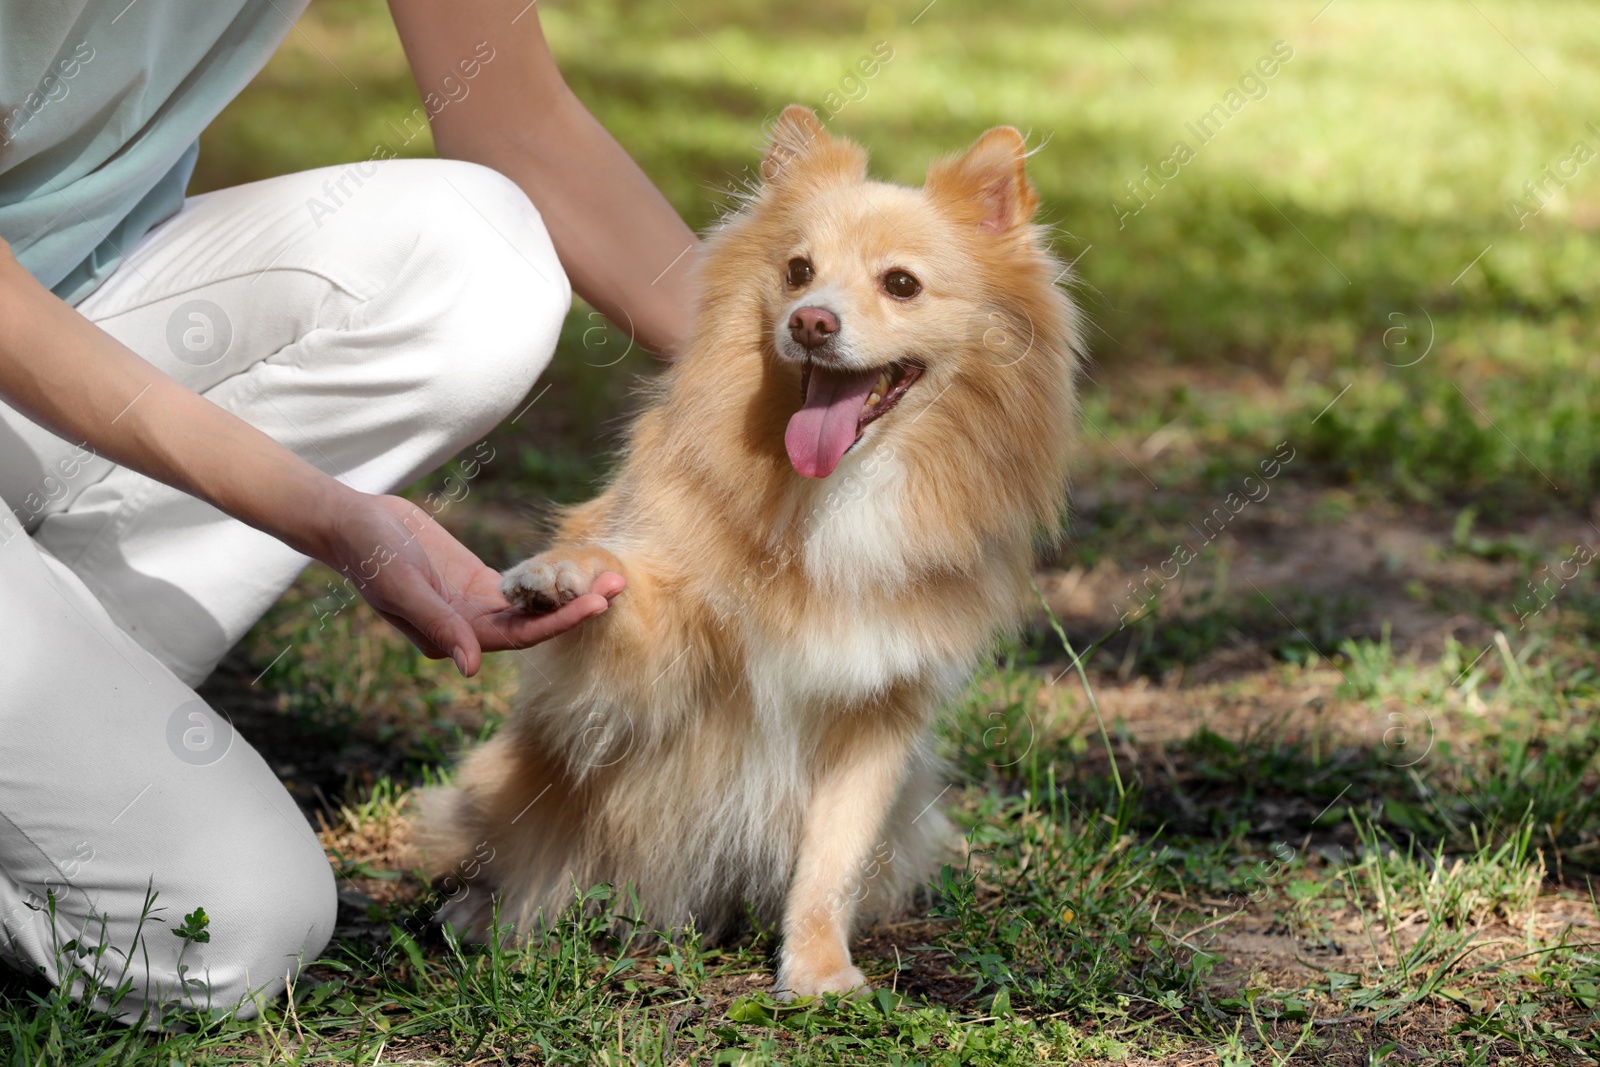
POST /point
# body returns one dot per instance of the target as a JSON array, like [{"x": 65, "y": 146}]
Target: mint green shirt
[{"x": 101, "y": 105}]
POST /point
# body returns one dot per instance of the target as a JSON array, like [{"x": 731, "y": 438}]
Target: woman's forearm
[
  {"x": 623, "y": 246},
  {"x": 68, "y": 375},
  {"x": 65, "y": 373},
  {"x": 625, "y": 249}
]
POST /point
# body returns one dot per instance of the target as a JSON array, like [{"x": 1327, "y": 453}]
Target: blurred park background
[
  {"x": 1318, "y": 239},
  {"x": 1328, "y": 797}
]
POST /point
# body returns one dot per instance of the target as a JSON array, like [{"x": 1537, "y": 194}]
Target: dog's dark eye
[
  {"x": 900, "y": 285},
  {"x": 799, "y": 273}
]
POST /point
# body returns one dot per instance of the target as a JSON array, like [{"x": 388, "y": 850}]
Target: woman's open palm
[{"x": 436, "y": 591}]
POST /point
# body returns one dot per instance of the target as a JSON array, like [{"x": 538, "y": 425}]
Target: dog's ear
[
  {"x": 795, "y": 135},
  {"x": 798, "y": 145},
  {"x": 988, "y": 184}
]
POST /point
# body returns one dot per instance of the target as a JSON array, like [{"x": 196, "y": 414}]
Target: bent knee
[
  {"x": 266, "y": 920},
  {"x": 483, "y": 275}
]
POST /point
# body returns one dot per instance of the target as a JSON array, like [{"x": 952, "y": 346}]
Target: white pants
[{"x": 374, "y": 318}]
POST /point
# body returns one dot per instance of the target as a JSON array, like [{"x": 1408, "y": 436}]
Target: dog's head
[{"x": 926, "y": 320}]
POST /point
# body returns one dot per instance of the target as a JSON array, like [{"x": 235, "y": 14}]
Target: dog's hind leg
[{"x": 504, "y": 831}]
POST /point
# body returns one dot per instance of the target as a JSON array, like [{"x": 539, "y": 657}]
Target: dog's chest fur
[{"x": 844, "y": 641}]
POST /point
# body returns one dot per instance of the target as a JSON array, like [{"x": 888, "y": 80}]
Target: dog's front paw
[
  {"x": 554, "y": 578},
  {"x": 798, "y": 980}
]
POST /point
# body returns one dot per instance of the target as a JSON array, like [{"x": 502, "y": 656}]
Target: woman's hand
[
  {"x": 59, "y": 369},
  {"x": 432, "y": 588}
]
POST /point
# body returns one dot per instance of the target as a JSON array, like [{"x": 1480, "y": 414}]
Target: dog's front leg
[{"x": 842, "y": 844}]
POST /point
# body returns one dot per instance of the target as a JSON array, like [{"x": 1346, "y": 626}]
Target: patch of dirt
[
  {"x": 1320, "y": 542},
  {"x": 904, "y": 956}
]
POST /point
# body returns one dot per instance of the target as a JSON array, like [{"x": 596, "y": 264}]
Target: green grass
[
  {"x": 1282, "y": 834},
  {"x": 1079, "y": 930},
  {"x": 1320, "y": 239}
]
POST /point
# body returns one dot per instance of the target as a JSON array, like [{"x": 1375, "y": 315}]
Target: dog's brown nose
[{"x": 813, "y": 326}]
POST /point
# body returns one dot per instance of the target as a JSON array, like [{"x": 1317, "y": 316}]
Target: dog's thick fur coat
[{"x": 749, "y": 722}]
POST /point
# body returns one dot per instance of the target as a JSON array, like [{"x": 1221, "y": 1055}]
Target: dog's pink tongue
[{"x": 823, "y": 430}]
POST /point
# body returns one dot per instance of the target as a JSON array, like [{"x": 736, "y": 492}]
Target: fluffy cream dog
[{"x": 827, "y": 513}]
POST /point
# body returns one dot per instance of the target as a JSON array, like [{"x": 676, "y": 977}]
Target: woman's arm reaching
[
  {"x": 69, "y": 376},
  {"x": 624, "y": 248}
]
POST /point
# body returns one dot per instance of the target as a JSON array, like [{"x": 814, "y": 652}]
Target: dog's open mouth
[{"x": 837, "y": 406}]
